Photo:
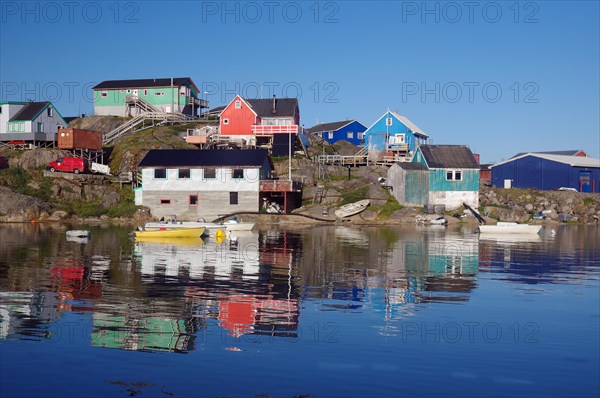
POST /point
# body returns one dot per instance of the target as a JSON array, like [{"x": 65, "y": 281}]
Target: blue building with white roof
[{"x": 393, "y": 135}]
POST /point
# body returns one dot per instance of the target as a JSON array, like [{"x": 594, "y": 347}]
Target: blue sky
[{"x": 502, "y": 77}]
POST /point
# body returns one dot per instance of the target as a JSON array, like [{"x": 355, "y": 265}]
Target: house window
[
  {"x": 330, "y": 135},
  {"x": 159, "y": 93},
  {"x": 160, "y": 173},
  {"x": 121, "y": 91},
  {"x": 40, "y": 127},
  {"x": 49, "y": 111},
  {"x": 238, "y": 104},
  {"x": 184, "y": 173},
  {"x": 103, "y": 94},
  {"x": 193, "y": 200},
  {"x": 388, "y": 121},
  {"x": 238, "y": 173},
  {"x": 360, "y": 136},
  {"x": 129, "y": 91},
  {"x": 350, "y": 134},
  {"x": 145, "y": 92},
  {"x": 165, "y": 201},
  {"x": 225, "y": 121},
  {"x": 210, "y": 173},
  {"x": 0, "y": 110},
  {"x": 454, "y": 175},
  {"x": 233, "y": 198},
  {"x": 21, "y": 126}
]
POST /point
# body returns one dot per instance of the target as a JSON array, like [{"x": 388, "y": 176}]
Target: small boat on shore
[
  {"x": 352, "y": 208},
  {"x": 509, "y": 228},
  {"x": 172, "y": 233},
  {"x": 438, "y": 221}
]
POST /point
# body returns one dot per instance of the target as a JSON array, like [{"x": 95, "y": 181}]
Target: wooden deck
[{"x": 280, "y": 186}]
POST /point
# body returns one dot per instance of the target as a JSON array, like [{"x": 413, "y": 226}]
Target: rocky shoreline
[
  {"x": 26, "y": 195},
  {"x": 517, "y": 205}
]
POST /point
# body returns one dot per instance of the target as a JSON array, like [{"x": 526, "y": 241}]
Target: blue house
[
  {"x": 548, "y": 171},
  {"x": 445, "y": 175},
  {"x": 348, "y": 130},
  {"x": 393, "y": 135}
]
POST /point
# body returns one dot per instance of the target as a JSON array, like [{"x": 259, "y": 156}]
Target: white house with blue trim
[
  {"x": 393, "y": 135},
  {"x": 31, "y": 122}
]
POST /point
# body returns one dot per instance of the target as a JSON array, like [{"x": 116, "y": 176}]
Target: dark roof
[
  {"x": 204, "y": 158},
  {"x": 571, "y": 152},
  {"x": 215, "y": 111},
  {"x": 30, "y": 111},
  {"x": 283, "y": 106},
  {"x": 140, "y": 83},
  {"x": 69, "y": 119},
  {"x": 445, "y": 156},
  {"x": 411, "y": 166},
  {"x": 332, "y": 126}
]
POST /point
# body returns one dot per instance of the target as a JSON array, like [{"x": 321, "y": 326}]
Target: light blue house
[
  {"x": 393, "y": 135},
  {"x": 438, "y": 175},
  {"x": 348, "y": 130}
]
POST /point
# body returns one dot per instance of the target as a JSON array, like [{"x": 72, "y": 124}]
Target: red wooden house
[{"x": 262, "y": 122}]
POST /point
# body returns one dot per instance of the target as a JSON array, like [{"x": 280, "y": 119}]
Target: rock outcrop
[{"x": 15, "y": 207}]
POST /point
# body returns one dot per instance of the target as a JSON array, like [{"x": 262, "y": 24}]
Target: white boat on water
[
  {"x": 352, "y": 208},
  {"x": 211, "y": 228},
  {"x": 509, "y": 228}
]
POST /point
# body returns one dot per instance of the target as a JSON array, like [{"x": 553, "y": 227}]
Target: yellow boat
[
  {"x": 172, "y": 233},
  {"x": 193, "y": 242}
]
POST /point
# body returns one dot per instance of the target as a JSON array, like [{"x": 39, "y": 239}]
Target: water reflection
[{"x": 164, "y": 296}]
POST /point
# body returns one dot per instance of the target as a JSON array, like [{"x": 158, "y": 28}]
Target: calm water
[{"x": 317, "y": 312}]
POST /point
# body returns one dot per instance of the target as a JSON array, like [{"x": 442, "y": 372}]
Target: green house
[
  {"x": 445, "y": 175},
  {"x": 133, "y": 97}
]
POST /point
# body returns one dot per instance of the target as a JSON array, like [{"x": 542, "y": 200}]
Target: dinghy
[
  {"x": 352, "y": 208},
  {"x": 509, "y": 228}
]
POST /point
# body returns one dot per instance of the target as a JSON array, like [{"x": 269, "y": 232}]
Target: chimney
[{"x": 274, "y": 110}]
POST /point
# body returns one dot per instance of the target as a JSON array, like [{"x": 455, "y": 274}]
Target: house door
[
  {"x": 135, "y": 93},
  {"x": 584, "y": 181}
]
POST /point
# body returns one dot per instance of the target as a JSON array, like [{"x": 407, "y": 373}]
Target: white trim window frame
[{"x": 454, "y": 175}]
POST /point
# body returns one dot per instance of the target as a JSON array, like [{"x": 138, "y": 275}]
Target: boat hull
[
  {"x": 510, "y": 228},
  {"x": 211, "y": 228},
  {"x": 352, "y": 208},
  {"x": 172, "y": 233}
]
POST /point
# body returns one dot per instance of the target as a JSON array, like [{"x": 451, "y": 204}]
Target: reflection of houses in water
[
  {"x": 134, "y": 331},
  {"x": 32, "y": 314},
  {"x": 418, "y": 267},
  {"x": 27, "y": 314},
  {"x": 238, "y": 259},
  {"x": 77, "y": 279},
  {"x": 546, "y": 259},
  {"x": 258, "y": 315},
  {"x": 243, "y": 283}
]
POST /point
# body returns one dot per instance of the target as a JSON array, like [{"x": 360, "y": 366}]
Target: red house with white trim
[{"x": 262, "y": 122}]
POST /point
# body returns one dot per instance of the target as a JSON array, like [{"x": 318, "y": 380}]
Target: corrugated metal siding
[{"x": 534, "y": 172}]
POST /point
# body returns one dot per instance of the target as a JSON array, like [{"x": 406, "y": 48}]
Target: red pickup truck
[{"x": 69, "y": 165}]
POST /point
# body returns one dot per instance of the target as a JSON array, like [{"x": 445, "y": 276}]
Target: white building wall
[
  {"x": 454, "y": 199},
  {"x": 197, "y": 182},
  {"x": 8, "y": 111}
]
